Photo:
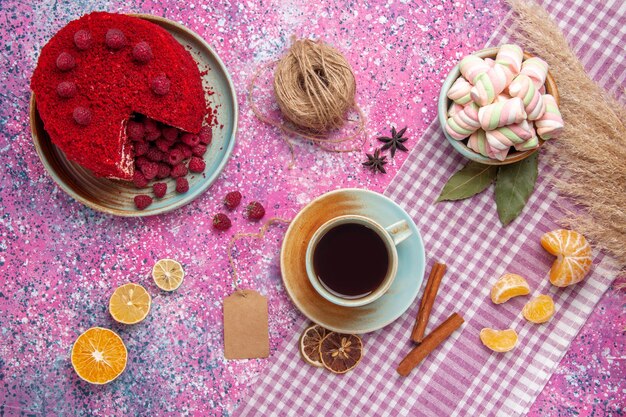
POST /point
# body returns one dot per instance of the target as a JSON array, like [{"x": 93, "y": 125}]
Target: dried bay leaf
[
  {"x": 470, "y": 180},
  {"x": 514, "y": 186}
]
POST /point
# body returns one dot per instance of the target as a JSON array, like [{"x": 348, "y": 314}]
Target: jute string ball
[{"x": 314, "y": 86}]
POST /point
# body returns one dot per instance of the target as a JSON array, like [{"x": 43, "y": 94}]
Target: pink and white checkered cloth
[{"x": 462, "y": 378}]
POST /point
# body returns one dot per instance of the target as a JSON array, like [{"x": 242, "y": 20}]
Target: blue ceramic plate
[
  {"x": 370, "y": 317},
  {"x": 116, "y": 197}
]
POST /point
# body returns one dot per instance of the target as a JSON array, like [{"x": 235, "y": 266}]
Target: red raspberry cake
[{"x": 99, "y": 70}]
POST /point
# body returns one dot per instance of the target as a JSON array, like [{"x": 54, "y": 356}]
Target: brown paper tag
[{"x": 246, "y": 333}]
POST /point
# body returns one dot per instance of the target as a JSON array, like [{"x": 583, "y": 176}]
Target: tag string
[{"x": 259, "y": 235}]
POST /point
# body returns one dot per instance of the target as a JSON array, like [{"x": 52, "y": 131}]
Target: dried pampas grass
[{"x": 590, "y": 155}]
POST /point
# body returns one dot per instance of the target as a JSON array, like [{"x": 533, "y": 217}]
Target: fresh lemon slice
[
  {"x": 498, "y": 340},
  {"x": 310, "y": 344},
  {"x": 168, "y": 274},
  {"x": 507, "y": 287},
  {"x": 539, "y": 310},
  {"x": 99, "y": 356},
  {"x": 340, "y": 352},
  {"x": 130, "y": 303}
]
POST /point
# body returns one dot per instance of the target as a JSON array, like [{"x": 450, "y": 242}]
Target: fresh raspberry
[
  {"x": 150, "y": 170},
  {"x": 152, "y": 130},
  {"x": 142, "y": 201},
  {"x": 141, "y": 148},
  {"x": 232, "y": 200},
  {"x": 175, "y": 157},
  {"x": 255, "y": 211},
  {"x": 115, "y": 39},
  {"x": 135, "y": 130},
  {"x": 221, "y": 222},
  {"x": 66, "y": 89},
  {"x": 141, "y": 161},
  {"x": 205, "y": 135},
  {"x": 179, "y": 171},
  {"x": 139, "y": 180},
  {"x": 164, "y": 171},
  {"x": 65, "y": 62},
  {"x": 159, "y": 189},
  {"x": 142, "y": 53},
  {"x": 182, "y": 185},
  {"x": 186, "y": 150},
  {"x": 163, "y": 145},
  {"x": 189, "y": 139},
  {"x": 82, "y": 39},
  {"x": 82, "y": 115},
  {"x": 160, "y": 85},
  {"x": 196, "y": 164},
  {"x": 170, "y": 134},
  {"x": 198, "y": 150},
  {"x": 155, "y": 155}
]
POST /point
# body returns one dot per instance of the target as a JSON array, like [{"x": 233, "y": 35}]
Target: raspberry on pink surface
[
  {"x": 182, "y": 185},
  {"x": 197, "y": 164},
  {"x": 221, "y": 222},
  {"x": 255, "y": 211},
  {"x": 232, "y": 200},
  {"x": 159, "y": 189},
  {"x": 142, "y": 201}
]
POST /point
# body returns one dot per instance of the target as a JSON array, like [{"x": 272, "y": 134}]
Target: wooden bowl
[
  {"x": 116, "y": 197},
  {"x": 459, "y": 145}
]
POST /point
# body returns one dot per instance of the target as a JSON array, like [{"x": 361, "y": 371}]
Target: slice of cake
[{"x": 99, "y": 70}]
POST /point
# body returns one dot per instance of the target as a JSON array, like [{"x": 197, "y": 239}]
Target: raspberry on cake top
[{"x": 99, "y": 70}]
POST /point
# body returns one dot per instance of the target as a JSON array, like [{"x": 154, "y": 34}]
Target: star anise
[
  {"x": 376, "y": 162},
  {"x": 395, "y": 141}
]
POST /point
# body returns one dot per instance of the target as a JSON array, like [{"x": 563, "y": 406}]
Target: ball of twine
[{"x": 314, "y": 86}]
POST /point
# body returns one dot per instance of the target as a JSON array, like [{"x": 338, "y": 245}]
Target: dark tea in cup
[{"x": 351, "y": 260}]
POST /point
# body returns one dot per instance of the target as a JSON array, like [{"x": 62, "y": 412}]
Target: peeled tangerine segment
[
  {"x": 498, "y": 340},
  {"x": 539, "y": 310},
  {"x": 573, "y": 254},
  {"x": 507, "y": 287}
]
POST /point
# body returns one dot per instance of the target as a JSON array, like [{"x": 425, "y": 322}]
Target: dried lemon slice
[
  {"x": 498, "y": 340},
  {"x": 168, "y": 274},
  {"x": 340, "y": 352},
  {"x": 539, "y": 310},
  {"x": 130, "y": 303},
  {"x": 310, "y": 344},
  {"x": 99, "y": 355},
  {"x": 507, "y": 287}
]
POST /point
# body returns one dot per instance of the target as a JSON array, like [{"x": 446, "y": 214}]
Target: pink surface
[{"x": 61, "y": 261}]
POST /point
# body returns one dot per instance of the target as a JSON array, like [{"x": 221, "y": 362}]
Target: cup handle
[{"x": 399, "y": 231}]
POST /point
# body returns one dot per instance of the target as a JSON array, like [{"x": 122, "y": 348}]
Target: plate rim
[
  {"x": 208, "y": 181},
  {"x": 290, "y": 230}
]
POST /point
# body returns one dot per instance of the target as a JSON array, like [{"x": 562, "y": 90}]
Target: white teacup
[{"x": 390, "y": 236}]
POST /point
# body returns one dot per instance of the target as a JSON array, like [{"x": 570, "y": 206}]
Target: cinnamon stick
[
  {"x": 426, "y": 305},
  {"x": 430, "y": 343}
]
